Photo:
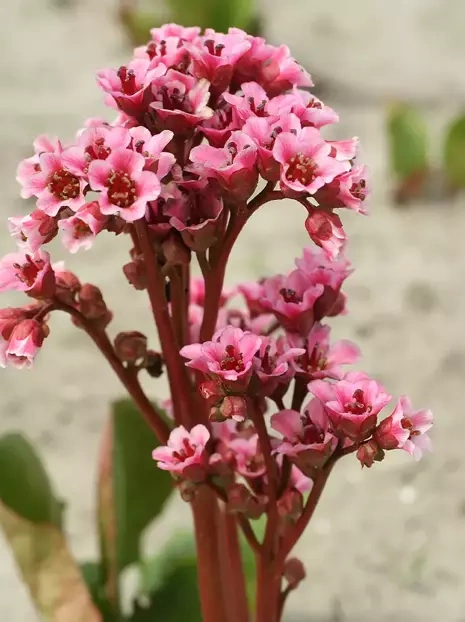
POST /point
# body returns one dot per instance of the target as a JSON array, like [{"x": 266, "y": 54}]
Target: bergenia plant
[{"x": 209, "y": 128}]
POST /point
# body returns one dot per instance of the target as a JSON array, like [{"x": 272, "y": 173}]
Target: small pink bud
[
  {"x": 67, "y": 286},
  {"x": 175, "y": 251},
  {"x": 135, "y": 273},
  {"x": 290, "y": 505},
  {"x": 233, "y": 407},
  {"x": 294, "y": 572},
  {"x": 131, "y": 347},
  {"x": 25, "y": 342},
  {"x": 369, "y": 452},
  {"x": 211, "y": 388}
]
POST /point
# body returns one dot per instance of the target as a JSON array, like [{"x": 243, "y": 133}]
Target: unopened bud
[
  {"x": 131, "y": 347},
  {"x": 294, "y": 572},
  {"x": 67, "y": 286},
  {"x": 187, "y": 490},
  {"x": 232, "y": 407},
  {"x": 211, "y": 388},
  {"x": 369, "y": 452},
  {"x": 135, "y": 273},
  {"x": 291, "y": 505},
  {"x": 175, "y": 251},
  {"x": 241, "y": 500},
  {"x": 154, "y": 364}
]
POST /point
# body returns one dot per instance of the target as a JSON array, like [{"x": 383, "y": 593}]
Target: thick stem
[
  {"x": 268, "y": 591},
  {"x": 205, "y": 510},
  {"x": 234, "y": 586},
  {"x": 127, "y": 377}
]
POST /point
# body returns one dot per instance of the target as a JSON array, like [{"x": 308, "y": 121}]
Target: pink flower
[
  {"x": 252, "y": 293},
  {"x": 151, "y": 147},
  {"x": 248, "y": 456},
  {"x": 184, "y": 454},
  {"x": 298, "y": 480},
  {"x": 28, "y": 273},
  {"x": 320, "y": 359},
  {"x": 129, "y": 86},
  {"x": 306, "y": 107},
  {"x": 80, "y": 230},
  {"x": 219, "y": 126},
  {"x": 307, "y": 439},
  {"x": 352, "y": 404},
  {"x": 24, "y": 343},
  {"x": 125, "y": 187},
  {"x": 180, "y": 102},
  {"x": 233, "y": 165},
  {"x": 406, "y": 429},
  {"x": 229, "y": 355},
  {"x": 94, "y": 143},
  {"x": 197, "y": 292},
  {"x": 170, "y": 51},
  {"x": 174, "y": 30},
  {"x": 252, "y": 103},
  {"x": 292, "y": 298},
  {"x": 326, "y": 231},
  {"x": 273, "y": 363},
  {"x": 33, "y": 230},
  {"x": 306, "y": 164},
  {"x": 343, "y": 150},
  {"x": 10, "y": 318},
  {"x": 349, "y": 190},
  {"x": 54, "y": 185}
]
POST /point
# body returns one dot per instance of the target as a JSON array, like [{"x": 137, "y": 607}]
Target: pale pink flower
[
  {"x": 94, "y": 143},
  {"x": 306, "y": 164},
  {"x": 326, "y": 231},
  {"x": 306, "y": 107},
  {"x": 80, "y": 230},
  {"x": 292, "y": 298},
  {"x": 416, "y": 423},
  {"x": 174, "y": 30},
  {"x": 307, "y": 439},
  {"x": 390, "y": 433},
  {"x": 248, "y": 457},
  {"x": 55, "y": 186},
  {"x": 352, "y": 404},
  {"x": 298, "y": 480},
  {"x": 151, "y": 147},
  {"x": 10, "y": 317},
  {"x": 229, "y": 355},
  {"x": 127, "y": 87},
  {"x": 33, "y": 230},
  {"x": 350, "y": 190},
  {"x": 125, "y": 187},
  {"x": 343, "y": 150},
  {"x": 253, "y": 292},
  {"x": 30, "y": 273},
  {"x": 233, "y": 165},
  {"x": 184, "y": 454},
  {"x": 320, "y": 358},
  {"x": 24, "y": 343}
]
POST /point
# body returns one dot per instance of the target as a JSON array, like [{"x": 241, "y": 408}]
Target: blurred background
[{"x": 388, "y": 543}]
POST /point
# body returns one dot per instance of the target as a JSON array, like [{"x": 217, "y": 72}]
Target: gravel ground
[{"x": 386, "y": 544}]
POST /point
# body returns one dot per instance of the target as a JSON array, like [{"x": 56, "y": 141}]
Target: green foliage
[
  {"x": 454, "y": 153},
  {"x": 24, "y": 485},
  {"x": 407, "y": 141}
]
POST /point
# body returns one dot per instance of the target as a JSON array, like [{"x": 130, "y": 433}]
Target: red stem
[{"x": 268, "y": 591}]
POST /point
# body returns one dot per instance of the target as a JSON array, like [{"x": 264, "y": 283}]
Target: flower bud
[
  {"x": 233, "y": 407},
  {"x": 131, "y": 347},
  {"x": 67, "y": 286},
  {"x": 93, "y": 307},
  {"x": 211, "y": 388},
  {"x": 290, "y": 505},
  {"x": 175, "y": 251},
  {"x": 9, "y": 319},
  {"x": 294, "y": 572},
  {"x": 135, "y": 273},
  {"x": 241, "y": 500},
  {"x": 369, "y": 452},
  {"x": 154, "y": 364},
  {"x": 25, "y": 342}
]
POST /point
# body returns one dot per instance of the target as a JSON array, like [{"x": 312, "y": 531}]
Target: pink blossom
[
  {"x": 180, "y": 102},
  {"x": 184, "y": 454},
  {"x": 306, "y": 164},
  {"x": 151, "y": 147},
  {"x": 219, "y": 126},
  {"x": 273, "y": 362},
  {"x": 174, "y": 30},
  {"x": 307, "y": 439},
  {"x": 229, "y": 355},
  {"x": 169, "y": 50},
  {"x": 128, "y": 87},
  {"x": 292, "y": 298},
  {"x": 352, "y": 404},
  {"x": 306, "y": 107},
  {"x": 326, "y": 231},
  {"x": 233, "y": 165},
  {"x": 252, "y": 103},
  {"x": 349, "y": 190},
  {"x": 343, "y": 150},
  {"x": 298, "y": 480},
  {"x": 248, "y": 456},
  {"x": 80, "y": 230},
  {"x": 94, "y": 143},
  {"x": 125, "y": 187},
  {"x": 24, "y": 343},
  {"x": 253, "y": 292},
  {"x": 31, "y": 273},
  {"x": 55, "y": 186},
  {"x": 33, "y": 230},
  {"x": 408, "y": 427},
  {"x": 231, "y": 407},
  {"x": 321, "y": 359},
  {"x": 197, "y": 292}
]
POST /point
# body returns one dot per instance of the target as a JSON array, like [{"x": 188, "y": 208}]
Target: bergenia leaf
[{"x": 454, "y": 153}]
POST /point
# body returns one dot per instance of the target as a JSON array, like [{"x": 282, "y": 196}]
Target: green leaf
[
  {"x": 132, "y": 490},
  {"x": 48, "y": 569},
  {"x": 213, "y": 13},
  {"x": 92, "y": 573},
  {"x": 407, "y": 136},
  {"x": 24, "y": 485},
  {"x": 454, "y": 153}
]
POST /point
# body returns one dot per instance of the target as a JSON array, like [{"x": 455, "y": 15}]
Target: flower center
[
  {"x": 174, "y": 99},
  {"x": 311, "y": 434},
  {"x": 290, "y": 295},
  {"x": 268, "y": 361},
  {"x": 215, "y": 50},
  {"x": 313, "y": 103},
  {"x": 232, "y": 360},
  {"x": 128, "y": 80},
  {"x": 121, "y": 189},
  {"x": 27, "y": 272},
  {"x": 301, "y": 169},
  {"x": 358, "y": 406},
  {"x": 316, "y": 360},
  {"x": 187, "y": 451},
  {"x": 408, "y": 425},
  {"x": 81, "y": 230},
  {"x": 97, "y": 150},
  {"x": 64, "y": 185},
  {"x": 258, "y": 110},
  {"x": 358, "y": 190}
]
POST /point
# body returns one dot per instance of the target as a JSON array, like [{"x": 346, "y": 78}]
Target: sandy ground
[{"x": 386, "y": 544}]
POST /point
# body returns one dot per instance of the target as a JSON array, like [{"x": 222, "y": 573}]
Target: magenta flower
[
  {"x": 151, "y": 147},
  {"x": 233, "y": 165},
  {"x": 129, "y": 86},
  {"x": 274, "y": 363},
  {"x": 252, "y": 103},
  {"x": 349, "y": 190},
  {"x": 292, "y": 298},
  {"x": 125, "y": 187},
  {"x": 185, "y": 453},
  {"x": 32, "y": 274},
  {"x": 306, "y": 163},
  {"x": 229, "y": 355},
  {"x": 33, "y": 230},
  {"x": 80, "y": 230},
  {"x": 321, "y": 359},
  {"x": 307, "y": 439},
  {"x": 24, "y": 344},
  {"x": 306, "y": 107},
  {"x": 407, "y": 428},
  {"x": 352, "y": 404},
  {"x": 326, "y": 231}
]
